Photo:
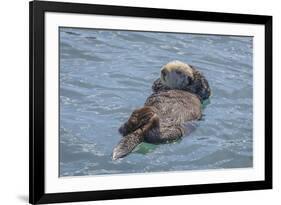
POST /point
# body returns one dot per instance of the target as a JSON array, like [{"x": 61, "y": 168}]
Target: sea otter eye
[{"x": 178, "y": 72}]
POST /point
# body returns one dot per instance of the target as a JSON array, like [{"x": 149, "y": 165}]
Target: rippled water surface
[{"x": 105, "y": 75}]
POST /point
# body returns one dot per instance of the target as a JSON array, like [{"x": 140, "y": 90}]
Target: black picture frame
[{"x": 37, "y": 10}]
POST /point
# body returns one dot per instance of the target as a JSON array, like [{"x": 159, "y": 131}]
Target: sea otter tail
[{"x": 127, "y": 144}]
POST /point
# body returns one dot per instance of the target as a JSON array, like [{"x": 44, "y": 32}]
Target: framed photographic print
[{"x": 141, "y": 102}]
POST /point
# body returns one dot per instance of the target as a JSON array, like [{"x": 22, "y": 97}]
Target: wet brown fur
[{"x": 163, "y": 117}]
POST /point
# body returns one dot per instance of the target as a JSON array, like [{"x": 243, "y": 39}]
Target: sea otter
[{"x": 174, "y": 103}]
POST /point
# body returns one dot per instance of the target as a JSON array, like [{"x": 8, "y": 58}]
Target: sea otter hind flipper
[{"x": 135, "y": 129}]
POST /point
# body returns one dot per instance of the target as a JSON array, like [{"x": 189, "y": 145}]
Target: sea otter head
[{"x": 177, "y": 75}]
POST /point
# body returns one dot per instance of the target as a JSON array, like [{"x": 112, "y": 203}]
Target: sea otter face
[{"x": 176, "y": 75}]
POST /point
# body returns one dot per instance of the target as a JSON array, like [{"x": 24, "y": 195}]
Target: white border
[{"x": 54, "y": 184}]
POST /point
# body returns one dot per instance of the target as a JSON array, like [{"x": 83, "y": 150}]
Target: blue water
[{"x": 105, "y": 75}]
